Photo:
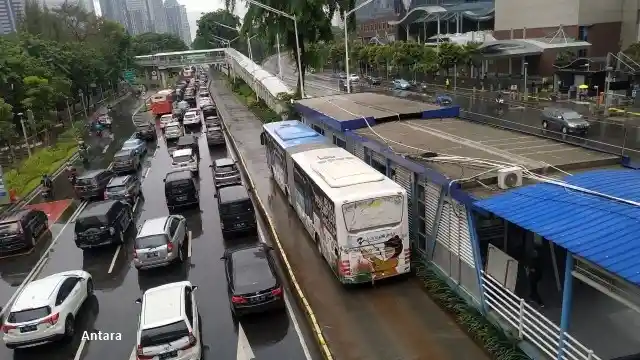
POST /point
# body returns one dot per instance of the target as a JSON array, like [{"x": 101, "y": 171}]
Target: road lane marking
[
  {"x": 104, "y": 151},
  {"x": 146, "y": 173},
  {"x": 245, "y": 352},
  {"x": 189, "y": 238},
  {"x": 133, "y": 354},
  {"x": 292, "y": 314},
  {"x": 80, "y": 348},
  {"x": 115, "y": 257},
  {"x": 45, "y": 257}
]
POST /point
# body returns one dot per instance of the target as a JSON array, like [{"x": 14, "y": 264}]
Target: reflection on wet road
[{"x": 118, "y": 283}]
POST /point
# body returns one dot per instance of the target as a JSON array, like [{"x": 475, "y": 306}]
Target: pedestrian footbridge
[{"x": 179, "y": 59}]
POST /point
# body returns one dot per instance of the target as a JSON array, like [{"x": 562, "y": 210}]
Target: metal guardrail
[
  {"x": 531, "y": 325},
  {"x": 181, "y": 62}
]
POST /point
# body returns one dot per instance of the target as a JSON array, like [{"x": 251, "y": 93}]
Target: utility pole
[
  {"x": 279, "y": 65},
  {"x": 24, "y": 133},
  {"x": 607, "y": 84}
]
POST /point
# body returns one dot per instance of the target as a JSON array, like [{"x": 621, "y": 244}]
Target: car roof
[
  {"x": 167, "y": 116},
  {"x": 179, "y": 175},
  {"x": 15, "y": 216},
  {"x": 97, "y": 208},
  {"x": 232, "y": 193},
  {"x": 186, "y": 140},
  {"x": 182, "y": 152},
  {"x": 153, "y": 226},
  {"x": 224, "y": 162},
  {"x": 119, "y": 180},
  {"x": 163, "y": 304},
  {"x": 91, "y": 173},
  {"x": 37, "y": 293}
]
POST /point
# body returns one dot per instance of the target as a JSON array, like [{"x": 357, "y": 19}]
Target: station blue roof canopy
[
  {"x": 598, "y": 228},
  {"x": 477, "y": 11}
]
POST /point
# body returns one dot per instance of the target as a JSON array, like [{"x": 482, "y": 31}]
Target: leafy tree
[
  {"x": 313, "y": 18},
  {"x": 7, "y": 128},
  {"x": 209, "y": 29},
  {"x": 150, "y": 43}
]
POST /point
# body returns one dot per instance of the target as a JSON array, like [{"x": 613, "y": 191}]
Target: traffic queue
[{"x": 45, "y": 310}]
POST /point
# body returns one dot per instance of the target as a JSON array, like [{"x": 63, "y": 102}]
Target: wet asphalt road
[
  {"x": 118, "y": 283},
  {"x": 617, "y": 136},
  {"x": 393, "y": 320}
]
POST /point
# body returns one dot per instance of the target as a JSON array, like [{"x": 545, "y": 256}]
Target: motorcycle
[
  {"x": 72, "y": 179},
  {"x": 500, "y": 106},
  {"x": 46, "y": 193}
]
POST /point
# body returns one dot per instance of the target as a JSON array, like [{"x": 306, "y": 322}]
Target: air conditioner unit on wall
[{"x": 510, "y": 177}]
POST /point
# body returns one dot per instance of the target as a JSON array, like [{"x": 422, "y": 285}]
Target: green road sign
[{"x": 130, "y": 76}]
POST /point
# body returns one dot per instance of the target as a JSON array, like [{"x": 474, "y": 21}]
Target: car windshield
[
  {"x": 182, "y": 159},
  {"x": 572, "y": 115},
  {"x": 130, "y": 144},
  {"x": 121, "y": 157},
  {"x": 163, "y": 334},
  {"x": 118, "y": 188},
  {"x": 23, "y": 316},
  {"x": 173, "y": 128},
  {"x": 189, "y": 115},
  {"x": 166, "y": 118},
  {"x": 152, "y": 241},
  {"x": 224, "y": 169}
]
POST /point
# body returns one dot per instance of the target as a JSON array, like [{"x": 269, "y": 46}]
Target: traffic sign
[
  {"x": 154, "y": 73},
  {"x": 130, "y": 76}
]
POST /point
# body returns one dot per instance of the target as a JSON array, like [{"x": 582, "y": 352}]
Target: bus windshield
[
  {"x": 370, "y": 214},
  {"x": 159, "y": 98}
]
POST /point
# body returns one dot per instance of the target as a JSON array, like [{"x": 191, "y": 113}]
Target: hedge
[
  {"x": 26, "y": 177},
  {"x": 258, "y": 108}
]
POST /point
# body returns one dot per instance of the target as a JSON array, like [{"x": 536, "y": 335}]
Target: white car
[
  {"x": 191, "y": 118},
  {"x": 204, "y": 102},
  {"x": 173, "y": 131},
  {"x": 169, "y": 325},
  {"x": 46, "y": 309},
  {"x": 184, "y": 159},
  {"x": 354, "y": 78},
  {"x": 165, "y": 120}
]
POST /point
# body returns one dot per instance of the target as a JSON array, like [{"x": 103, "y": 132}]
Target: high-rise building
[
  {"x": 186, "y": 29},
  {"x": 138, "y": 17},
  {"x": 10, "y": 13},
  {"x": 157, "y": 16},
  {"x": 115, "y": 10}
]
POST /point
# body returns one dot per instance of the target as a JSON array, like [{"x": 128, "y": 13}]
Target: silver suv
[{"x": 160, "y": 242}]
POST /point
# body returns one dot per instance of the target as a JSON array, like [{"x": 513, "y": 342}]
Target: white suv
[
  {"x": 169, "y": 326},
  {"x": 46, "y": 309},
  {"x": 184, "y": 159},
  {"x": 191, "y": 117}
]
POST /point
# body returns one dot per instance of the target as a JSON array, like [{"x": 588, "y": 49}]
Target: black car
[
  {"x": 92, "y": 184},
  {"x": 146, "y": 131},
  {"x": 215, "y": 136},
  {"x": 209, "y": 110},
  {"x": 125, "y": 161},
  {"x": 211, "y": 121},
  {"x": 22, "y": 229},
  {"x": 181, "y": 190},
  {"x": 178, "y": 113},
  {"x": 125, "y": 188},
  {"x": 191, "y": 99},
  {"x": 237, "y": 214},
  {"x": 372, "y": 80},
  {"x": 103, "y": 223},
  {"x": 252, "y": 280}
]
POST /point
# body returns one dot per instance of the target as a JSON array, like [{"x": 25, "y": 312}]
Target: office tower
[
  {"x": 138, "y": 16},
  {"x": 10, "y": 13},
  {"x": 186, "y": 29},
  {"x": 115, "y": 10},
  {"x": 157, "y": 16}
]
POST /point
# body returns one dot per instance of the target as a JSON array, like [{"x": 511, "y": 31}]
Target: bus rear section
[
  {"x": 357, "y": 216},
  {"x": 161, "y": 103}
]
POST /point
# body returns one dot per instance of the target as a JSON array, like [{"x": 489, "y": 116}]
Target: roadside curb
[{"x": 315, "y": 326}]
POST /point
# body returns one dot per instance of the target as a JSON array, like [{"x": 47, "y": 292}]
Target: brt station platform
[{"x": 489, "y": 203}]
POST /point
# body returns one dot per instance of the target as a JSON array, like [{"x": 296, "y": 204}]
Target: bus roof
[
  {"x": 292, "y": 132},
  {"x": 342, "y": 176},
  {"x": 164, "y": 92}
]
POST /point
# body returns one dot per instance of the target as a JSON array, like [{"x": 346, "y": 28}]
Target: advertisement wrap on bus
[
  {"x": 162, "y": 102},
  {"x": 357, "y": 217}
]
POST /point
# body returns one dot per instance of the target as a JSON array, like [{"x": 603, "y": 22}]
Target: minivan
[
  {"x": 184, "y": 159},
  {"x": 160, "y": 242},
  {"x": 103, "y": 223},
  {"x": 180, "y": 189},
  {"x": 236, "y": 210},
  {"x": 225, "y": 172},
  {"x": 22, "y": 229}
]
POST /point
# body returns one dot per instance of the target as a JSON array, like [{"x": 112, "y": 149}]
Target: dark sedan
[
  {"x": 566, "y": 120},
  {"x": 252, "y": 281}
]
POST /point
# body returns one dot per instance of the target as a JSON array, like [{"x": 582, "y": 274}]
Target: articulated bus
[
  {"x": 162, "y": 102},
  {"x": 357, "y": 217}
]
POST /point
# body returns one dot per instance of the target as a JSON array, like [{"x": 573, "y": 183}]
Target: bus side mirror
[{"x": 262, "y": 139}]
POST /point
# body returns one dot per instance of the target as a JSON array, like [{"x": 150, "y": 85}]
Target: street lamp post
[
  {"x": 526, "y": 87},
  {"x": 295, "y": 29},
  {"x": 84, "y": 107},
  {"x": 24, "y": 133},
  {"x": 346, "y": 41}
]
